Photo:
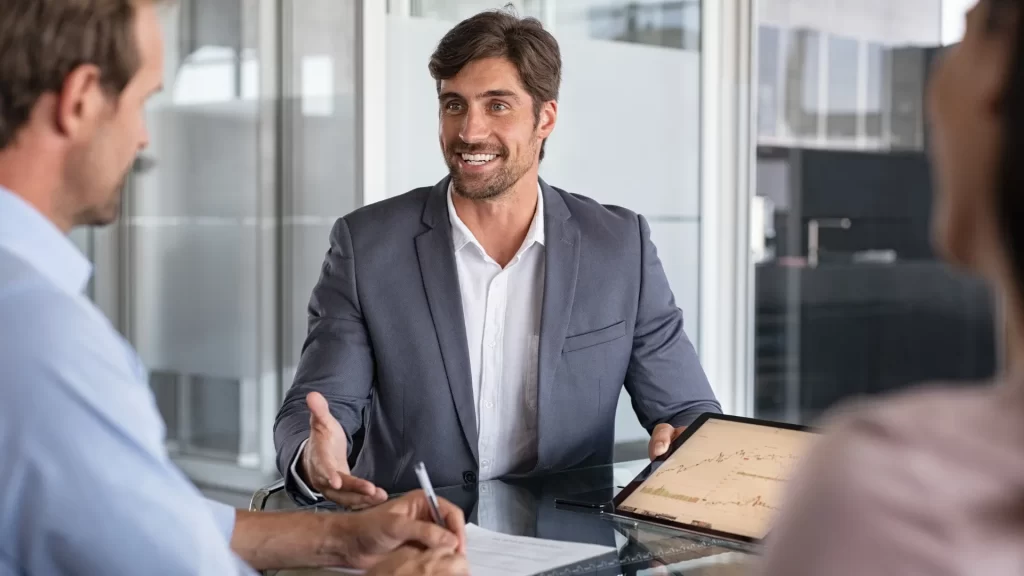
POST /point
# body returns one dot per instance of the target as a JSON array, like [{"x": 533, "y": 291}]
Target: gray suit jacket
[{"x": 387, "y": 342}]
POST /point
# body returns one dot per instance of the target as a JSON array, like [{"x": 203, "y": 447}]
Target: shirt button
[
  {"x": 486, "y": 463},
  {"x": 493, "y": 344},
  {"x": 489, "y": 404}
]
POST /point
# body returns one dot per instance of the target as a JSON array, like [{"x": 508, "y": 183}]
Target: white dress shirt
[{"x": 501, "y": 309}]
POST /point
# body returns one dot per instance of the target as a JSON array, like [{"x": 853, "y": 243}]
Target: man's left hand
[
  {"x": 373, "y": 533},
  {"x": 662, "y": 438}
]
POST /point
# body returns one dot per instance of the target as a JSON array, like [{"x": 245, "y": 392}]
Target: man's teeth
[{"x": 478, "y": 159}]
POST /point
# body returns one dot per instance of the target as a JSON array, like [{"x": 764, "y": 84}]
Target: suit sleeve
[
  {"x": 664, "y": 379},
  {"x": 337, "y": 357}
]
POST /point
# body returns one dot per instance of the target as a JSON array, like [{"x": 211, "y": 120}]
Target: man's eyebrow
[
  {"x": 499, "y": 93},
  {"x": 496, "y": 93}
]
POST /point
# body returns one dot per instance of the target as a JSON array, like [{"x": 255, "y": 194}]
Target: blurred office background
[{"x": 777, "y": 148}]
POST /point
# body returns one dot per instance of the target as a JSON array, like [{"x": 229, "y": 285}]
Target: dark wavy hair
[{"x": 42, "y": 41}]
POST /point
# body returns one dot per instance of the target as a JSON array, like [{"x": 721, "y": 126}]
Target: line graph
[
  {"x": 755, "y": 502},
  {"x": 743, "y": 455},
  {"x": 728, "y": 476}
]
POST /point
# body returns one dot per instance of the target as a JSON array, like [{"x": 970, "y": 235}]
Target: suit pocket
[{"x": 580, "y": 341}]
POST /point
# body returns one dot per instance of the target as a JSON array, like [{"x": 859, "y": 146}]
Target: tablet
[{"x": 723, "y": 477}]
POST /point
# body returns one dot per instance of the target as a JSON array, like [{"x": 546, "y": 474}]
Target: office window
[
  {"x": 878, "y": 86},
  {"x": 850, "y": 298},
  {"x": 844, "y": 107},
  {"x": 669, "y": 24},
  {"x": 768, "y": 78},
  {"x": 802, "y": 90}
]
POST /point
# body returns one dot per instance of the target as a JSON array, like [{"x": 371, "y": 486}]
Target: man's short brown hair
[
  {"x": 502, "y": 34},
  {"x": 42, "y": 41}
]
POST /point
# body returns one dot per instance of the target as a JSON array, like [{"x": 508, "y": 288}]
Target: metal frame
[
  {"x": 260, "y": 497},
  {"x": 371, "y": 98},
  {"x": 728, "y": 110}
]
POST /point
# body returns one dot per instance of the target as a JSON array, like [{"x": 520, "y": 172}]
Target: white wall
[{"x": 627, "y": 134}]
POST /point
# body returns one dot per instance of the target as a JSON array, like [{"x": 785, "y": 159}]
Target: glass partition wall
[{"x": 226, "y": 218}]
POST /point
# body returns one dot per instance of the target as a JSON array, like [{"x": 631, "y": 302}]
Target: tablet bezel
[{"x": 656, "y": 464}]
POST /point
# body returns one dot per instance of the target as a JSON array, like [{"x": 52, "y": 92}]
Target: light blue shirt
[{"x": 86, "y": 484}]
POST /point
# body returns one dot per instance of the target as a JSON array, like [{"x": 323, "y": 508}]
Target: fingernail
[{"x": 660, "y": 446}]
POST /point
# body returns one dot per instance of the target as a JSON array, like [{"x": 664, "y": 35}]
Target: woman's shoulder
[{"x": 932, "y": 415}]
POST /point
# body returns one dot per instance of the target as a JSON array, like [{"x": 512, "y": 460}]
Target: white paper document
[{"x": 495, "y": 554}]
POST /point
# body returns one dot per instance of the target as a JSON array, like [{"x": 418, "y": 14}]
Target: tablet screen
[{"x": 727, "y": 476}]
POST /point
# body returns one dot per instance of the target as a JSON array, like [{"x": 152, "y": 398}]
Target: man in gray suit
[{"x": 485, "y": 325}]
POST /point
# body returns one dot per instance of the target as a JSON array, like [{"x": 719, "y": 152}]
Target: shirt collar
[
  {"x": 461, "y": 234},
  {"x": 29, "y": 235}
]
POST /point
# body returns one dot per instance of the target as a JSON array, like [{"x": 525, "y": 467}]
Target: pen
[{"x": 428, "y": 488}]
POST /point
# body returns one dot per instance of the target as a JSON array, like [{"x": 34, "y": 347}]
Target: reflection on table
[{"x": 526, "y": 507}]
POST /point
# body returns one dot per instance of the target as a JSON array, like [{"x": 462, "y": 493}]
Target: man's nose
[{"x": 474, "y": 127}]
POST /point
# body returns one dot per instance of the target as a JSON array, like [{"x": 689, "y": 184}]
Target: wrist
[
  {"x": 302, "y": 462},
  {"x": 339, "y": 538}
]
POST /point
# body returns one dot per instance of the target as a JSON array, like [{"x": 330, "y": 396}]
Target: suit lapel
[
  {"x": 441, "y": 282},
  {"x": 562, "y": 258}
]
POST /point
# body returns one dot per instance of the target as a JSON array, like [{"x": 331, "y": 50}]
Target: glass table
[{"x": 527, "y": 507}]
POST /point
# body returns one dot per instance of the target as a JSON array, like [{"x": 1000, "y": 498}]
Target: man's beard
[{"x": 486, "y": 187}]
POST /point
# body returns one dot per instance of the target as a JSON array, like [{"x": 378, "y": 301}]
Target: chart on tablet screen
[{"x": 728, "y": 476}]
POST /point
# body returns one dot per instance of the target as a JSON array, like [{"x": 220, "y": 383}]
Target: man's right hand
[
  {"x": 409, "y": 561},
  {"x": 324, "y": 463}
]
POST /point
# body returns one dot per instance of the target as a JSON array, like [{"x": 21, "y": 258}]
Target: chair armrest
[{"x": 260, "y": 497}]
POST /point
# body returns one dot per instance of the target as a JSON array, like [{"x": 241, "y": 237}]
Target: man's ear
[
  {"x": 547, "y": 119},
  {"x": 80, "y": 103}
]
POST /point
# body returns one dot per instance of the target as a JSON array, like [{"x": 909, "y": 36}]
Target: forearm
[{"x": 282, "y": 540}]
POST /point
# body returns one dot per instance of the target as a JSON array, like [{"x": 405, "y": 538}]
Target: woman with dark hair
[{"x": 932, "y": 482}]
